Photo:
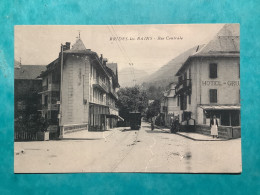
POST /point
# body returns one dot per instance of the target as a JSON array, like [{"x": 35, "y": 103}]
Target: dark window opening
[
  {"x": 213, "y": 95},
  {"x": 46, "y": 100},
  {"x": 213, "y": 70}
]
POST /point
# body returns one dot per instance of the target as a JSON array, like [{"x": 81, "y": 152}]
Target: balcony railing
[
  {"x": 112, "y": 106},
  {"x": 50, "y": 107},
  {"x": 183, "y": 86},
  {"x": 97, "y": 101},
  {"x": 51, "y": 87},
  {"x": 101, "y": 85},
  {"x": 112, "y": 92}
]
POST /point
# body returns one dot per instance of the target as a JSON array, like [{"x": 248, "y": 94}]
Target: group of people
[{"x": 175, "y": 125}]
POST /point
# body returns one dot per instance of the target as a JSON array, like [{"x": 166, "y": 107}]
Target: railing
[
  {"x": 98, "y": 83},
  {"x": 97, "y": 101},
  {"x": 54, "y": 87},
  {"x": 51, "y": 87},
  {"x": 183, "y": 86},
  {"x": 114, "y": 94},
  {"x": 25, "y": 136},
  {"x": 50, "y": 107},
  {"x": 44, "y": 88},
  {"x": 112, "y": 106}
]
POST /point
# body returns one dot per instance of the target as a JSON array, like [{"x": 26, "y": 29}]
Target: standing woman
[{"x": 214, "y": 126}]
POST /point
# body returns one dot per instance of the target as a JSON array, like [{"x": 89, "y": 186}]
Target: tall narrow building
[{"x": 79, "y": 91}]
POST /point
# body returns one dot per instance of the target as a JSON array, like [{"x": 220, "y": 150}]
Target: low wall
[
  {"x": 73, "y": 128},
  {"x": 227, "y": 132},
  {"x": 236, "y": 132}
]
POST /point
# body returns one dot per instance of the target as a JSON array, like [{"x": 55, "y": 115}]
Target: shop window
[
  {"x": 213, "y": 70},
  {"x": 213, "y": 95}
]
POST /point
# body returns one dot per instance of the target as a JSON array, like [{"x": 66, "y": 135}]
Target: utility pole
[{"x": 61, "y": 82}]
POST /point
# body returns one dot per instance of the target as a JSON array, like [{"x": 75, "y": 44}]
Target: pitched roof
[
  {"x": 29, "y": 72},
  {"x": 224, "y": 43},
  {"x": 79, "y": 47}
]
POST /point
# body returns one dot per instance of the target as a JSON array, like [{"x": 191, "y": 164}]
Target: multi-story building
[
  {"x": 26, "y": 88},
  {"x": 209, "y": 80},
  {"x": 169, "y": 105},
  {"x": 79, "y": 91}
]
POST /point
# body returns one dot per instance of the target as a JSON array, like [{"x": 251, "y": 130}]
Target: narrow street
[{"x": 125, "y": 150}]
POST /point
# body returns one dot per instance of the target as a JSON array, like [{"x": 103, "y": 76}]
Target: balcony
[
  {"x": 113, "y": 93},
  {"x": 50, "y": 87},
  {"x": 183, "y": 86},
  {"x": 97, "y": 101},
  {"x": 111, "y": 106},
  {"x": 100, "y": 85},
  {"x": 50, "y": 107}
]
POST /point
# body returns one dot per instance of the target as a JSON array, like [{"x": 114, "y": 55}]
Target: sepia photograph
[{"x": 161, "y": 98}]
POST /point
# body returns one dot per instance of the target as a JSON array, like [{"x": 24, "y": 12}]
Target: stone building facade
[
  {"x": 209, "y": 81},
  {"x": 79, "y": 91}
]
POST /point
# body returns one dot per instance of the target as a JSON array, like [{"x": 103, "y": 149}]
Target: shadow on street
[
  {"x": 156, "y": 131},
  {"x": 67, "y": 139}
]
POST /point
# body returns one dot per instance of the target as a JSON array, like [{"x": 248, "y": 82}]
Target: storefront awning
[
  {"x": 219, "y": 107},
  {"x": 120, "y": 118}
]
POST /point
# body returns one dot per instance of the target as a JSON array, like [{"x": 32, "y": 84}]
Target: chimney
[
  {"x": 105, "y": 61},
  {"x": 101, "y": 58},
  {"x": 67, "y": 45}
]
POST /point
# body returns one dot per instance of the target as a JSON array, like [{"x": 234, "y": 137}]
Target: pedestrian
[
  {"x": 152, "y": 123},
  {"x": 214, "y": 127}
]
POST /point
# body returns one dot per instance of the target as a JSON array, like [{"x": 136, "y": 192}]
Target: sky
[{"x": 123, "y": 44}]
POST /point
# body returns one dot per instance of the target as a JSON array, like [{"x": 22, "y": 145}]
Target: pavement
[
  {"x": 194, "y": 136},
  {"x": 125, "y": 150}
]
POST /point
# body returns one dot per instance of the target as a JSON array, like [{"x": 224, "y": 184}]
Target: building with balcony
[
  {"x": 169, "y": 104},
  {"x": 79, "y": 91},
  {"x": 209, "y": 80},
  {"x": 27, "y": 101}
]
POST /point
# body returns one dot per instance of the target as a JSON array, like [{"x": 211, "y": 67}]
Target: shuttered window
[
  {"x": 213, "y": 70},
  {"x": 213, "y": 95}
]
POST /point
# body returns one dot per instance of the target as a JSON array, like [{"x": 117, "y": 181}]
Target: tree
[
  {"x": 153, "y": 109},
  {"x": 131, "y": 99}
]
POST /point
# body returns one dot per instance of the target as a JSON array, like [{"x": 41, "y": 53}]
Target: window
[
  {"x": 46, "y": 100},
  {"x": 189, "y": 73},
  {"x": 189, "y": 99},
  {"x": 213, "y": 96},
  {"x": 213, "y": 70},
  {"x": 178, "y": 100}
]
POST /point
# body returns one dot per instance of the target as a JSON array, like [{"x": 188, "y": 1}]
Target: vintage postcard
[{"x": 127, "y": 98}]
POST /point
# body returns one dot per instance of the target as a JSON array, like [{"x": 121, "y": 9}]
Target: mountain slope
[
  {"x": 126, "y": 76},
  {"x": 168, "y": 71}
]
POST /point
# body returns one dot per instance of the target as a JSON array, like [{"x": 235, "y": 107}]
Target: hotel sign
[{"x": 221, "y": 83}]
